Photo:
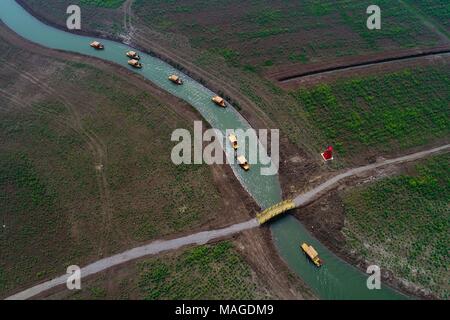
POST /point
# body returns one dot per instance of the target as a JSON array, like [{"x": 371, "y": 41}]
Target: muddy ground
[
  {"x": 298, "y": 169},
  {"x": 238, "y": 205},
  {"x": 325, "y": 219}
]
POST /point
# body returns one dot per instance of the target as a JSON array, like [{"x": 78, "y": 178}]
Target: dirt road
[
  {"x": 313, "y": 194},
  {"x": 149, "y": 249},
  {"x": 206, "y": 236}
]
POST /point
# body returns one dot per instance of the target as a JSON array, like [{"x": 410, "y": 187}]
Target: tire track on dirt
[
  {"x": 21, "y": 103},
  {"x": 426, "y": 20},
  {"x": 97, "y": 146},
  {"x": 204, "y": 237},
  {"x": 128, "y": 26},
  {"x": 64, "y": 123}
]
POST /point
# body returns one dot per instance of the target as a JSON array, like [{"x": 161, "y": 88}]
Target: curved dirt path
[
  {"x": 426, "y": 20},
  {"x": 96, "y": 145},
  {"x": 127, "y": 25},
  {"x": 313, "y": 194},
  {"x": 204, "y": 237},
  {"x": 145, "y": 250}
]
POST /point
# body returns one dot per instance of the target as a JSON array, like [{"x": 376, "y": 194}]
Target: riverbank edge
[
  {"x": 334, "y": 242},
  {"x": 329, "y": 243},
  {"x": 255, "y": 123},
  {"x": 250, "y": 203},
  {"x": 348, "y": 257}
]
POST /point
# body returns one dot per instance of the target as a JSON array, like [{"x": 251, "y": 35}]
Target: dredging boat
[
  {"x": 97, "y": 45},
  {"x": 133, "y": 55},
  {"x": 135, "y": 63},
  {"x": 243, "y": 163},
  {"x": 312, "y": 254},
  {"x": 176, "y": 79},
  {"x": 219, "y": 101},
  {"x": 233, "y": 139}
]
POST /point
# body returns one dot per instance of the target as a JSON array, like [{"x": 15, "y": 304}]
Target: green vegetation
[
  {"x": 282, "y": 30},
  {"x": 36, "y": 205},
  {"x": 103, "y": 16},
  {"x": 110, "y": 4},
  {"x": 403, "y": 223},
  {"x": 438, "y": 10},
  {"x": 266, "y": 16},
  {"x": 97, "y": 293},
  {"x": 74, "y": 191},
  {"x": 206, "y": 272},
  {"x": 236, "y": 42},
  {"x": 301, "y": 57},
  {"x": 184, "y": 185},
  {"x": 399, "y": 24},
  {"x": 263, "y": 33},
  {"x": 230, "y": 56},
  {"x": 396, "y": 110},
  {"x": 17, "y": 172},
  {"x": 318, "y": 8}
]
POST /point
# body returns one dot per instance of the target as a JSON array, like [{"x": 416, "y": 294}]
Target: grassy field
[
  {"x": 403, "y": 223},
  {"x": 85, "y": 170},
  {"x": 235, "y": 41},
  {"x": 438, "y": 10},
  {"x": 376, "y": 113},
  {"x": 261, "y": 35},
  {"x": 384, "y": 112},
  {"x": 111, "y": 4},
  {"x": 264, "y": 34},
  {"x": 206, "y": 272},
  {"x": 101, "y": 16}
]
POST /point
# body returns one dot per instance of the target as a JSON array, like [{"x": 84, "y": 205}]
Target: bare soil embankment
[
  {"x": 325, "y": 217},
  {"x": 304, "y": 167},
  {"x": 235, "y": 198},
  {"x": 297, "y": 71}
]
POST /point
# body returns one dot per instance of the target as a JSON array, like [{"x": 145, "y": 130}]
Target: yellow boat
[
  {"x": 97, "y": 45},
  {"x": 176, "y": 79},
  {"x": 133, "y": 55},
  {"x": 243, "y": 163},
  {"x": 135, "y": 63},
  {"x": 233, "y": 139},
  {"x": 219, "y": 101},
  {"x": 312, "y": 254}
]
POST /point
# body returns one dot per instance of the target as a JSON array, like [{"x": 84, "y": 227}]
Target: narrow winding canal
[{"x": 336, "y": 279}]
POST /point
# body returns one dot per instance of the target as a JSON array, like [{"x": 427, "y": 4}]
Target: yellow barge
[
  {"x": 176, "y": 79},
  {"x": 133, "y": 55},
  {"x": 312, "y": 254},
  {"x": 135, "y": 63},
  {"x": 219, "y": 101},
  {"x": 233, "y": 140},
  {"x": 97, "y": 45},
  {"x": 243, "y": 163}
]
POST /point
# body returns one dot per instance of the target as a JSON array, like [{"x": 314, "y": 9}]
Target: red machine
[{"x": 328, "y": 154}]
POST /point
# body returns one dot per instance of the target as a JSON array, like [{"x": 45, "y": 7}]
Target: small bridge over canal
[{"x": 275, "y": 210}]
